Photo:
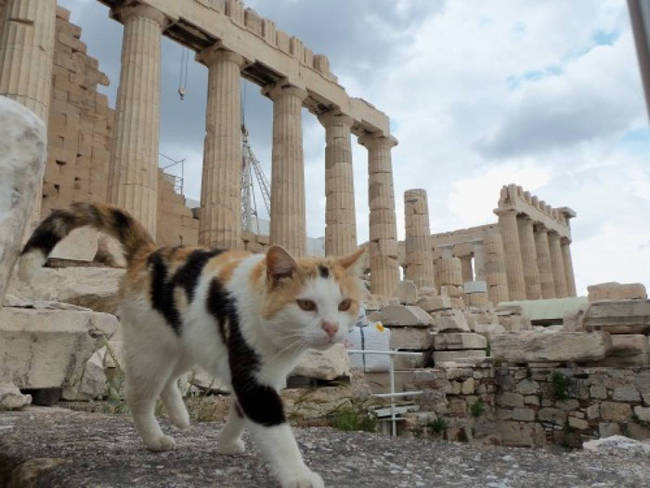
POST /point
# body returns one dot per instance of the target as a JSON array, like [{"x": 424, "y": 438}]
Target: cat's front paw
[
  {"x": 232, "y": 447},
  {"x": 303, "y": 479},
  {"x": 161, "y": 443}
]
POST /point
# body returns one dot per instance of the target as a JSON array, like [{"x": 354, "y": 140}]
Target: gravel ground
[{"x": 97, "y": 450}]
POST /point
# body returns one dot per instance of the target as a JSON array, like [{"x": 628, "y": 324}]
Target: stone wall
[{"x": 176, "y": 224}]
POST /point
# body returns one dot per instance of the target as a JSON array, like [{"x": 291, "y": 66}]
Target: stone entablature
[
  {"x": 272, "y": 55},
  {"x": 514, "y": 197}
]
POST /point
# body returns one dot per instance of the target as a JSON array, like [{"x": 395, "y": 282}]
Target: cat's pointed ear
[
  {"x": 355, "y": 263},
  {"x": 279, "y": 263}
]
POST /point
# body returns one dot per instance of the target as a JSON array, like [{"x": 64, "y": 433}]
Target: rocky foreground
[{"x": 54, "y": 447}]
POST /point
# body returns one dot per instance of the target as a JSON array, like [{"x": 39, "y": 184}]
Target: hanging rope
[{"x": 183, "y": 72}]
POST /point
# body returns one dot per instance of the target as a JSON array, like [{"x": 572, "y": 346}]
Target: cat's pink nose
[{"x": 330, "y": 328}]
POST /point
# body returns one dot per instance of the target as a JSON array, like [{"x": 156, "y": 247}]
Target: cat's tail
[{"x": 106, "y": 218}]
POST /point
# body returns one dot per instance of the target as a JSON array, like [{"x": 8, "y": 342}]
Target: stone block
[
  {"x": 489, "y": 330},
  {"x": 451, "y": 321},
  {"x": 11, "y": 398},
  {"x": 579, "y": 424},
  {"x": 627, "y": 350},
  {"x": 528, "y": 387},
  {"x": 475, "y": 287},
  {"x": 458, "y": 340},
  {"x": 41, "y": 348},
  {"x": 593, "y": 411},
  {"x": 523, "y": 414},
  {"x": 643, "y": 413},
  {"x": 626, "y": 393},
  {"x": 410, "y": 362},
  {"x": 616, "y": 291},
  {"x": 521, "y": 434},
  {"x": 446, "y": 356},
  {"x": 541, "y": 347},
  {"x": 551, "y": 415},
  {"x": 615, "y": 411},
  {"x": 608, "y": 429},
  {"x": 478, "y": 299},
  {"x": 407, "y": 292},
  {"x": 324, "y": 365},
  {"x": 434, "y": 303},
  {"x": 510, "y": 399},
  {"x": 411, "y": 338},
  {"x": 619, "y": 317},
  {"x": 80, "y": 245},
  {"x": 404, "y": 315}
]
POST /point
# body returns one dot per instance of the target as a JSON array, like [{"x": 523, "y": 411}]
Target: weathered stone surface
[
  {"x": 11, "y": 398},
  {"x": 523, "y": 414},
  {"x": 396, "y": 315},
  {"x": 42, "y": 348},
  {"x": 617, "y": 444},
  {"x": 541, "y": 347},
  {"x": 324, "y": 365},
  {"x": 412, "y": 338},
  {"x": 445, "y": 356},
  {"x": 607, "y": 429},
  {"x": 619, "y": 317},
  {"x": 475, "y": 287},
  {"x": 80, "y": 245},
  {"x": 22, "y": 161},
  {"x": 615, "y": 411},
  {"x": 434, "y": 303},
  {"x": 527, "y": 387},
  {"x": 510, "y": 399},
  {"x": 407, "y": 292},
  {"x": 93, "y": 287},
  {"x": 520, "y": 434},
  {"x": 616, "y": 291},
  {"x": 451, "y": 321},
  {"x": 456, "y": 340},
  {"x": 489, "y": 330},
  {"x": 643, "y": 413},
  {"x": 626, "y": 393},
  {"x": 627, "y": 350},
  {"x": 552, "y": 415},
  {"x": 576, "y": 423}
]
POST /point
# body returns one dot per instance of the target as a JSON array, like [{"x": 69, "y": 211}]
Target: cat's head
[{"x": 313, "y": 302}]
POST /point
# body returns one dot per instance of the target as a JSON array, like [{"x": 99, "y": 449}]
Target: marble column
[
  {"x": 557, "y": 263},
  {"x": 288, "y": 225},
  {"x": 512, "y": 249},
  {"x": 340, "y": 216},
  {"x": 529, "y": 258},
  {"x": 568, "y": 267},
  {"x": 384, "y": 272},
  {"x": 495, "y": 270},
  {"x": 419, "y": 255},
  {"x": 542, "y": 249},
  {"x": 479, "y": 261},
  {"x": 133, "y": 174},
  {"x": 220, "y": 213},
  {"x": 27, "y": 39},
  {"x": 466, "y": 268}
]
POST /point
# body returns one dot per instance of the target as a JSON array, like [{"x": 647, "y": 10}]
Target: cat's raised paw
[
  {"x": 233, "y": 447},
  {"x": 307, "y": 479},
  {"x": 161, "y": 443}
]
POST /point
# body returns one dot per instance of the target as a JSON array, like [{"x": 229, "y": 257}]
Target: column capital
[
  {"x": 215, "y": 53},
  {"x": 377, "y": 140},
  {"x": 276, "y": 90},
  {"x": 140, "y": 10},
  {"x": 335, "y": 117},
  {"x": 539, "y": 227},
  {"x": 565, "y": 241},
  {"x": 505, "y": 211}
]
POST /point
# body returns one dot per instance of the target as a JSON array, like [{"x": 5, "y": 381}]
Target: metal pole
[{"x": 392, "y": 398}]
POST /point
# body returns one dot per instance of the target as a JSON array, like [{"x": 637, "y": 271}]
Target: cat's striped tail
[{"x": 106, "y": 218}]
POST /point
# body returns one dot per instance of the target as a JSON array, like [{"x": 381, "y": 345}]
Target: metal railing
[{"x": 391, "y": 371}]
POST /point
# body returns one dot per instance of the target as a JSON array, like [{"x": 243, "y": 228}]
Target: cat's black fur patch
[
  {"x": 187, "y": 277},
  {"x": 50, "y": 232},
  {"x": 123, "y": 223},
  {"x": 323, "y": 271},
  {"x": 260, "y": 403}
]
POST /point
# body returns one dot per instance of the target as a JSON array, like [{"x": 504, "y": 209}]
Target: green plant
[
  {"x": 114, "y": 383},
  {"x": 438, "y": 426},
  {"x": 477, "y": 408},
  {"x": 351, "y": 418},
  {"x": 498, "y": 363},
  {"x": 560, "y": 386}
]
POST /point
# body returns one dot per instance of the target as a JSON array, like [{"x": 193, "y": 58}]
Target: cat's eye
[
  {"x": 306, "y": 305},
  {"x": 345, "y": 305}
]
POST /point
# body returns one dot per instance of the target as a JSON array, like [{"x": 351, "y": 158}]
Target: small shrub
[
  {"x": 477, "y": 408},
  {"x": 438, "y": 426},
  {"x": 560, "y": 385},
  {"x": 348, "y": 418}
]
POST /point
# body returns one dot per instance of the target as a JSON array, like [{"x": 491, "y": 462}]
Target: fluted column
[
  {"x": 340, "y": 216},
  {"x": 419, "y": 256},
  {"x": 479, "y": 261},
  {"x": 288, "y": 226},
  {"x": 133, "y": 175},
  {"x": 512, "y": 249},
  {"x": 557, "y": 263},
  {"x": 568, "y": 267},
  {"x": 466, "y": 268},
  {"x": 26, "y": 57},
  {"x": 495, "y": 269},
  {"x": 529, "y": 258},
  {"x": 384, "y": 273},
  {"x": 547, "y": 283},
  {"x": 220, "y": 214}
]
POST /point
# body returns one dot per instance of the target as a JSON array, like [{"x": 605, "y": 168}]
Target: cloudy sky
[{"x": 480, "y": 94}]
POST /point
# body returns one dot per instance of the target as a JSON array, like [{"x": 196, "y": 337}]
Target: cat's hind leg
[
  {"x": 230, "y": 441},
  {"x": 173, "y": 399}
]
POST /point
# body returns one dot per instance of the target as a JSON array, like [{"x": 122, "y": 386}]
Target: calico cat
[{"x": 246, "y": 318}]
